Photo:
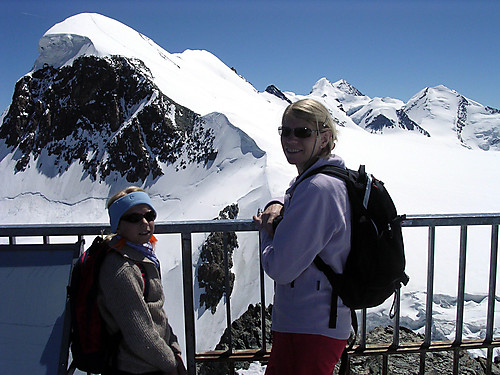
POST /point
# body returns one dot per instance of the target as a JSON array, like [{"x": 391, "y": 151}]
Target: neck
[{"x": 306, "y": 166}]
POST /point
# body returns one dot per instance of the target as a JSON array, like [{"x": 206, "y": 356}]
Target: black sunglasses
[
  {"x": 304, "y": 132},
  {"x": 136, "y": 217}
]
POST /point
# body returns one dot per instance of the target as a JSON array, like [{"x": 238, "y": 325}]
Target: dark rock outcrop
[
  {"x": 271, "y": 89},
  {"x": 210, "y": 270},
  {"x": 106, "y": 114},
  {"x": 245, "y": 333}
]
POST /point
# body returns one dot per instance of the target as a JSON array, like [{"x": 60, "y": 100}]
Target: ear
[{"x": 325, "y": 137}]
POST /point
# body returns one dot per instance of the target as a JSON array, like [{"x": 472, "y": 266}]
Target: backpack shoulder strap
[
  {"x": 100, "y": 242},
  {"x": 145, "y": 291},
  {"x": 329, "y": 169},
  {"x": 333, "y": 278}
]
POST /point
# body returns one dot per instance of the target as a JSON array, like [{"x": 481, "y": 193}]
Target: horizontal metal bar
[
  {"x": 201, "y": 226},
  {"x": 235, "y": 355},
  {"x": 450, "y": 219},
  {"x": 356, "y": 351},
  {"x": 436, "y": 346},
  {"x": 239, "y": 225}
]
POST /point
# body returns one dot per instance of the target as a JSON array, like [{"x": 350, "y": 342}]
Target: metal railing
[{"x": 187, "y": 229}]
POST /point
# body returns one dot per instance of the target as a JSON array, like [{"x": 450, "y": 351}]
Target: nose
[{"x": 292, "y": 138}]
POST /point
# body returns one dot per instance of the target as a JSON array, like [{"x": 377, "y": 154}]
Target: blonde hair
[
  {"x": 122, "y": 193},
  {"x": 317, "y": 114}
]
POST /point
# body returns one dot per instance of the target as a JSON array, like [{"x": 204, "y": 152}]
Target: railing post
[
  {"x": 430, "y": 285},
  {"x": 385, "y": 364},
  {"x": 397, "y": 317},
  {"x": 429, "y": 297},
  {"x": 491, "y": 295},
  {"x": 227, "y": 291},
  {"x": 187, "y": 271},
  {"x": 456, "y": 360},
  {"x": 362, "y": 331},
  {"x": 262, "y": 300},
  {"x": 461, "y": 285}
]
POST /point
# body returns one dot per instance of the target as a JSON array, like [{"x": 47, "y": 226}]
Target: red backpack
[{"x": 93, "y": 349}]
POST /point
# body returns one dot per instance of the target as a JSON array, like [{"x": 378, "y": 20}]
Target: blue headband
[{"x": 123, "y": 204}]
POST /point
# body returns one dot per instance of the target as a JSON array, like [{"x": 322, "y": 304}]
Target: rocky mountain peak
[
  {"x": 347, "y": 88},
  {"x": 106, "y": 114},
  {"x": 271, "y": 89}
]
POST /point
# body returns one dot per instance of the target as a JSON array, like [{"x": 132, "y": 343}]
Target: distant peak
[
  {"x": 271, "y": 89},
  {"x": 346, "y": 87}
]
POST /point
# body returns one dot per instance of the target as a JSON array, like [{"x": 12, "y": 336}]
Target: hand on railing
[{"x": 266, "y": 219}]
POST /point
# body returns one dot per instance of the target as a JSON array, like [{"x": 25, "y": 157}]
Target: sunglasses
[
  {"x": 136, "y": 217},
  {"x": 304, "y": 132}
]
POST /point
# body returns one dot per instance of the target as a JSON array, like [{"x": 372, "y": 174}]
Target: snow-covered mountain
[
  {"x": 473, "y": 124},
  {"x": 105, "y": 107}
]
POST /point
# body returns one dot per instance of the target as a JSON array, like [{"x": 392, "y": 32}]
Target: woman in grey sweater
[{"x": 131, "y": 295}]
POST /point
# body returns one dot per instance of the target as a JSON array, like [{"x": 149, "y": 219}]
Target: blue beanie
[{"x": 123, "y": 204}]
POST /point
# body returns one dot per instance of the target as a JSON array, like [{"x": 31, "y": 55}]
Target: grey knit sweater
[{"x": 148, "y": 342}]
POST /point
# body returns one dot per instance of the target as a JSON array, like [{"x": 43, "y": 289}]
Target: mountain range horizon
[
  {"x": 58, "y": 48},
  {"x": 109, "y": 107}
]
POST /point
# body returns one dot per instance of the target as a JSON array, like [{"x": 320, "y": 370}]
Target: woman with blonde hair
[
  {"x": 315, "y": 220},
  {"x": 131, "y": 295}
]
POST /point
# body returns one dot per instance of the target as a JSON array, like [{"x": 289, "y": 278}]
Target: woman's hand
[{"x": 264, "y": 220}]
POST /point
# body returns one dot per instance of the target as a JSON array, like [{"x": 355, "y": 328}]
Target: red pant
[{"x": 304, "y": 354}]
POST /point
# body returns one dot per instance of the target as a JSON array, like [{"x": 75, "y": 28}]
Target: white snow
[{"x": 424, "y": 175}]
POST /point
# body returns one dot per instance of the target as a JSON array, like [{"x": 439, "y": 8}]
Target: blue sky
[{"x": 383, "y": 48}]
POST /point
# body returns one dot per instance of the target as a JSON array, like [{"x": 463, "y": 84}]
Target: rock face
[
  {"x": 406, "y": 364},
  {"x": 246, "y": 334},
  {"x": 106, "y": 114},
  {"x": 211, "y": 274}
]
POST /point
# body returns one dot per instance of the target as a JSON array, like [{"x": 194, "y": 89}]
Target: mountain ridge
[{"x": 63, "y": 39}]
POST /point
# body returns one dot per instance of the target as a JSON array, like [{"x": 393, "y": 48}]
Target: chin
[
  {"x": 141, "y": 240},
  {"x": 145, "y": 239}
]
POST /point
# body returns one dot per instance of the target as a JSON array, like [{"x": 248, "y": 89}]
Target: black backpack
[
  {"x": 375, "y": 266},
  {"x": 93, "y": 349}
]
